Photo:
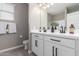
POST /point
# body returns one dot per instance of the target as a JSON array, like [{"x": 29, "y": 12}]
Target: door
[
  {"x": 48, "y": 48},
  {"x": 64, "y": 51},
  {"x": 34, "y": 45}
]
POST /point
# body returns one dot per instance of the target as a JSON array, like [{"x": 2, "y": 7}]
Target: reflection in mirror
[
  {"x": 57, "y": 15},
  {"x": 55, "y": 19}
]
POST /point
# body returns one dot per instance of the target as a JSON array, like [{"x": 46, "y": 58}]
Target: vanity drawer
[
  {"x": 48, "y": 38},
  {"x": 62, "y": 41},
  {"x": 37, "y": 36},
  {"x": 66, "y": 42}
]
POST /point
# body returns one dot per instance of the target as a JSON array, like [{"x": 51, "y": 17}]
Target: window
[{"x": 6, "y": 12}]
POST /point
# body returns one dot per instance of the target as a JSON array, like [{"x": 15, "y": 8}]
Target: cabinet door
[
  {"x": 34, "y": 45},
  {"x": 37, "y": 46},
  {"x": 48, "y": 48},
  {"x": 40, "y": 47},
  {"x": 64, "y": 51}
]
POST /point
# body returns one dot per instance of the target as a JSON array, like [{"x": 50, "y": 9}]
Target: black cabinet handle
[
  {"x": 53, "y": 51},
  {"x": 56, "y": 51},
  {"x": 36, "y": 43},
  {"x": 55, "y": 40}
]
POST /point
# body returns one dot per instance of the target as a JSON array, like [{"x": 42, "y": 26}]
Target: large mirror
[
  {"x": 55, "y": 19},
  {"x": 57, "y": 13}
]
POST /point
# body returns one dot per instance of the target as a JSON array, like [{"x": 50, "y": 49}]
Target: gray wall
[
  {"x": 51, "y": 18},
  {"x": 59, "y": 16},
  {"x": 21, "y": 19}
]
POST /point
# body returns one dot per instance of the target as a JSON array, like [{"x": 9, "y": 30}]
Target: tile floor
[{"x": 16, "y": 52}]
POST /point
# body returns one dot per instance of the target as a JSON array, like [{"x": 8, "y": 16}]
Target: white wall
[
  {"x": 43, "y": 18},
  {"x": 37, "y": 16},
  {"x": 34, "y": 16}
]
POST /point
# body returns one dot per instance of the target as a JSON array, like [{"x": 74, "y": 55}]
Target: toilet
[{"x": 25, "y": 43}]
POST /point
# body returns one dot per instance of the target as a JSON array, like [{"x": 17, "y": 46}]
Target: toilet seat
[{"x": 25, "y": 41}]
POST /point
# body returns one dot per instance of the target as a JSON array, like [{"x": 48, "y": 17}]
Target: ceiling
[{"x": 59, "y": 7}]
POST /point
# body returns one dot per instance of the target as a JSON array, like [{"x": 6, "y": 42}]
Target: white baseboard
[{"x": 8, "y": 49}]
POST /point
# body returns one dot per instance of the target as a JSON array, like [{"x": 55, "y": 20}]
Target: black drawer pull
[
  {"x": 36, "y": 43},
  {"x": 55, "y": 40},
  {"x": 56, "y": 52},
  {"x": 53, "y": 51}
]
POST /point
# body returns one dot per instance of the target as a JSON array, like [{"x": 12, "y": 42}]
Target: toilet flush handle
[{"x": 21, "y": 36}]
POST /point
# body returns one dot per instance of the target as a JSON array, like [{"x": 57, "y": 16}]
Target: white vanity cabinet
[
  {"x": 50, "y": 45},
  {"x": 64, "y": 51},
  {"x": 57, "y": 50},
  {"x": 57, "y": 47},
  {"x": 48, "y": 48},
  {"x": 37, "y": 44}
]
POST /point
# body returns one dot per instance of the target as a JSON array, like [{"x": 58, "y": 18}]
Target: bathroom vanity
[{"x": 55, "y": 44}]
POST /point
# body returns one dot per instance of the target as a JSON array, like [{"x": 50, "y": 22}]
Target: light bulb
[
  {"x": 51, "y": 3},
  {"x": 40, "y": 4},
  {"x": 45, "y": 5}
]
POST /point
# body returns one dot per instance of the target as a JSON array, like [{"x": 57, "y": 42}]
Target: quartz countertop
[{"x": 56, "y": 34}]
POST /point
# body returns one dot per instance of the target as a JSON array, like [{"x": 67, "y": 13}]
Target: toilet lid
[{"x": 25, "y": 41}]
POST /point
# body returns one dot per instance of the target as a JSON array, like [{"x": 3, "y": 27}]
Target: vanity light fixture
[
  {"x": 45, "y": 5},
  {"x": 51, "y": 3}
]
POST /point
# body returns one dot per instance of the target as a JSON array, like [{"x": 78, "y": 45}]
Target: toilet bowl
[{"x": 25, "y": 43}]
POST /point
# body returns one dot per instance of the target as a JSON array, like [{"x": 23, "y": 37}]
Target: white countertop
[{"x": 64, "y": 35}]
